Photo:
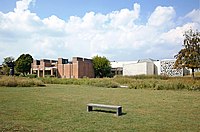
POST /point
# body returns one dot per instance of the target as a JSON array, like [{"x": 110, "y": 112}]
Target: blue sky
[
  {"x": 118, "y": 29},
  {"x": 65, "y": 8}
]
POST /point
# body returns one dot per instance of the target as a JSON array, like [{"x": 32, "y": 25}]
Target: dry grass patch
[{"x": 10, "y": 81}]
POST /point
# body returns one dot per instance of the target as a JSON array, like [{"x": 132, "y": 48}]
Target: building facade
[
  {"x": 141, "y": 68},
  {"x": 62, "y": 68},
  {"x": 150, "y": 67}
]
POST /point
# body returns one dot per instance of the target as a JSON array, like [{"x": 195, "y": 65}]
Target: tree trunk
[{"x": 192, "y": 73}]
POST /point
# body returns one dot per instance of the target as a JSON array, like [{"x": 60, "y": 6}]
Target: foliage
[
  {"x": 23, "y": 63},
  {"x": 102, "y": 66},
  {"x": 19, "y": 82},
  {"x": 5, "y": 70},
  {"x": 6, "y": 62},
  {"x": 197, "y": 74},
  {"x": 31, "y": 75},
  {"x": 189, "y": 56}
]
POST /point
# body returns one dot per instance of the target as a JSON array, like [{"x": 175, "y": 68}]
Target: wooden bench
[{"x": 118, "y": 108}]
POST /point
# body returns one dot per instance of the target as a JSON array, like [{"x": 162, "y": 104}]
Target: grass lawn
[{"x": 63, "y": 108}]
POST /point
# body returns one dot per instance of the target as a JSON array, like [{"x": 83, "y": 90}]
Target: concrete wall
[
  {"x": 156, "y": 67},
  {"x": 146, "y": 68},
  {"x": 150, "y": 68},
  {"x": 167, "y": 68}
]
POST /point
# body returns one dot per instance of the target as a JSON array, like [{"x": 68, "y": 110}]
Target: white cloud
[
  {"x": 22, "y": 5},
  {"x": 175, "y": 36},
  {"x": 162, "y": 17},
  {"x": 194, "y": 15},
  {"x": 54, "y": 23},
  {"x": 114, "y": 35},
  {"x": 124, "y": 17}
]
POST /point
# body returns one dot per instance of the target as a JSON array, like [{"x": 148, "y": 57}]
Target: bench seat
[{"x": 118, "y": 108}]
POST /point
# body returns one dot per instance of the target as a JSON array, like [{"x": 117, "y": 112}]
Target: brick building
[{"x": 62, "y": 68}]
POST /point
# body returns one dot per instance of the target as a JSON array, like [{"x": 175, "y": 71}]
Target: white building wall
[
  {"x": 116, "y": 64},
  {"x": 150, "y": 68},
  {"x": 157, "y": 67},
  {"x": 146, "y": 68}
]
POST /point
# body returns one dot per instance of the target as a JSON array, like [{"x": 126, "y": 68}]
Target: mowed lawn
[{"x": 63, "y": 108}]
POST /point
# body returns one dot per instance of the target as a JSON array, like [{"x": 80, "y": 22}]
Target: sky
[{"x": 120, "y": 30}]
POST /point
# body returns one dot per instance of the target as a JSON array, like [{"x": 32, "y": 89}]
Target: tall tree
[
  {"x": 102, "y": 67},
  {"x": 189, "y": 56},
  {"x": 7, "y": 64},
  {"x": 23, "y": 63}
]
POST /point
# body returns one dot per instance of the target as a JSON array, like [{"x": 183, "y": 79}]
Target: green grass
[{"x": 63, "y": 108}]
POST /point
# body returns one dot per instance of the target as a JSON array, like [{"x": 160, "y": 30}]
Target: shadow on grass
[{"x": 108, "y": 111}]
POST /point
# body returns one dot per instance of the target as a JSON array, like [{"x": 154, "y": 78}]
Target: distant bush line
[
  {"x": 132, "y": 82},
  {"x": 9, "y": 81}
]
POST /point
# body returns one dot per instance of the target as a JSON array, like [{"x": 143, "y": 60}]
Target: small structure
[{"x": 62, "y": 68}]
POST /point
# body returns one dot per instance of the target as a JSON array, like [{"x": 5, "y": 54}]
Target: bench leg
[
  {"x": 119, "y": 111},
  {"x": 89, "y": 108}
]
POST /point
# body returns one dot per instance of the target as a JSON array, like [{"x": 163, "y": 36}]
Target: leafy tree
[
  {"x": 189, "y": 56},
  {"x": 102, "y": 67},
  {"x": 23, "y": 63},
  {"x": 6, "y": 64}
]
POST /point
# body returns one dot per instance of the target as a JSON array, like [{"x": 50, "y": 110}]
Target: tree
[
  {"x": 23, "y": 63},
  {"x": 102, "y": 67},
  {"x": 189, "y": 56},
  {"x": 7, "y": 64}
]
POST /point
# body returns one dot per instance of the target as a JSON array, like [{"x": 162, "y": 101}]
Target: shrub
[
  {"x": 99, "y": 82},
  {"x": 175, "y": 83},
  {"x": 162, "y": 77},
  {"x": 49, "y": 76},
  {"x": 31, "y": 75},
  {"x": 195, "y": 87},
  {"x": 9, "y": 81},
  {"x": 197, "y": 74},
  {"x": 17, "y": 73}
]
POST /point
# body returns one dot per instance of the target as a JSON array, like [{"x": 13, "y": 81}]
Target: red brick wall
[
  {"x": 79, "y": 68},
  {"x": 75, "y": 69},
  {"x": 85, "y": 69},
  {"x": 68, "y": 70},
  {"x": 60, "y": 70}
]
